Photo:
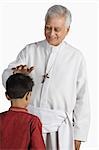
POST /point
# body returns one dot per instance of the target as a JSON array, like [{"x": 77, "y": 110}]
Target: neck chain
[{"x": 51, "y": 61}]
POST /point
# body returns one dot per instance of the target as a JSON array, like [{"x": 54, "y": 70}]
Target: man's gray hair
[{"x": 59, "y": 10}]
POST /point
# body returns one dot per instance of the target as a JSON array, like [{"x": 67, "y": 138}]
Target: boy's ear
[
  {"x": 7, "y": 96},
  {"x": 28, "y": 94}
]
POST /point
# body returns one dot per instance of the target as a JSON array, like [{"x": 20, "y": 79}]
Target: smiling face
[{"x": 55, "y": 30}]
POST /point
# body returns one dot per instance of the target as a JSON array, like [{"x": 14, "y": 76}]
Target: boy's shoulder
[
  {"x": 26, "y": 117},
  {"x": 3, "y": 113},
  {"x": 34, "y": 117}
]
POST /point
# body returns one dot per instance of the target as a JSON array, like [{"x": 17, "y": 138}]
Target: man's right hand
[
  {"x": 77, "y": 144},
  {"x": 22, "y": 69}
]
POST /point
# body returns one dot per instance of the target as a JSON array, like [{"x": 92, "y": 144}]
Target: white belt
[{"x": 52, "y": 121}]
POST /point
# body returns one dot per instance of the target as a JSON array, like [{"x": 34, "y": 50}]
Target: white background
[{"x": 23, "y": 22}]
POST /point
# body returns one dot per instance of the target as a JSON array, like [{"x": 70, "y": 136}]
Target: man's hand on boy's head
[{"x": 22, "y": 69}]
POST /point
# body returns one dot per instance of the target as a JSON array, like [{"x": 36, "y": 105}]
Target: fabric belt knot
[{"x": 56, "y": 121}]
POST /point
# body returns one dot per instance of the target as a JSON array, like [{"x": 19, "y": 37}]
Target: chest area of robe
[
  {"x": 60, "y": 64},
  {"x": 59, "y": 89}
]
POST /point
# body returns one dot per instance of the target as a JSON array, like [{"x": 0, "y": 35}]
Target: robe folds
[{"x": 62, "y": 69}]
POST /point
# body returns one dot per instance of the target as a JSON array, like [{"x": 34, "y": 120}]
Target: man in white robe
[{"x": 60, "y": 93}]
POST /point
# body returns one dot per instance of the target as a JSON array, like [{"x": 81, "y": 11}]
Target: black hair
[{"x": 17, "y": 85}]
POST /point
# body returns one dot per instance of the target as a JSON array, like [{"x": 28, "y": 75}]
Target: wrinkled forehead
[{"x": 55, "y": 21}]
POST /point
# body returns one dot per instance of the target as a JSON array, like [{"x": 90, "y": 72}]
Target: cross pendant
[{"x": 44, "y": 77}]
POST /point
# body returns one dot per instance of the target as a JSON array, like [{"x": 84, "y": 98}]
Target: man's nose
[{"x": 52, "y": 33}]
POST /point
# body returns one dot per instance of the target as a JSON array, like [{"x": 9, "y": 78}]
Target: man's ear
[
  {"x": 68, "y": 29},
  {"x": 7, "y": 96}
]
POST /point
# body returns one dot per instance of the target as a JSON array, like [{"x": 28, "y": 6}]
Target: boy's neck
[
  {"x": 18, "y": 103},
  {"x": 18, "y": 109}
]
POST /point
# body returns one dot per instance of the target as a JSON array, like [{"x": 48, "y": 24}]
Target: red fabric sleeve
[{"x": 36, "y": 139}]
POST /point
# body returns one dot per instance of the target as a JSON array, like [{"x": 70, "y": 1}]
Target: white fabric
[
  {"x": 56, "y": 121},
  {"x": 66, "y": 87}
]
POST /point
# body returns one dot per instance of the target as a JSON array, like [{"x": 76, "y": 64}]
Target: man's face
[{"x": 55, "y": 30}]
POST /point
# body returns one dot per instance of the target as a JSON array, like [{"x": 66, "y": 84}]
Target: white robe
[{"x": 66, "y": 87}]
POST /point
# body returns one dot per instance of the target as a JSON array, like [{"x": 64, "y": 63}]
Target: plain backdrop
[{"x": 22, "y": 22}]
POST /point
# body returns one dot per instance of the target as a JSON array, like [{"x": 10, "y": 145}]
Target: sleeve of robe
[
  {"x": 81, "y": 113},
  {"x": 36, "y": 139},
  {"x": 20, "y": 60}
]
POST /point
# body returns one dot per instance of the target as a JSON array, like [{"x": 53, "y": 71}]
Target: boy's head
[{"x": 18, "y": 85}]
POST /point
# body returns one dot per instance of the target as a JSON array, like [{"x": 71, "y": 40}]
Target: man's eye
[
  {"x": 48, "y": 28},
  {"x": 57, "y": 30}
]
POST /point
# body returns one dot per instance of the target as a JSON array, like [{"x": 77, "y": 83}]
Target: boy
[{"x": 20, "y": 130}]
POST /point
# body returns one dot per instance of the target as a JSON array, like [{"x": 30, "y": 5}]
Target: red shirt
[{"x": 20, "y": 130}]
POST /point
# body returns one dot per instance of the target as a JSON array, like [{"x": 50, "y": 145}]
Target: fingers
[
  {"x": 77, "y": 145},
  {"x": 22, "y": 69},
  {"x": 31, "y": 68}
]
